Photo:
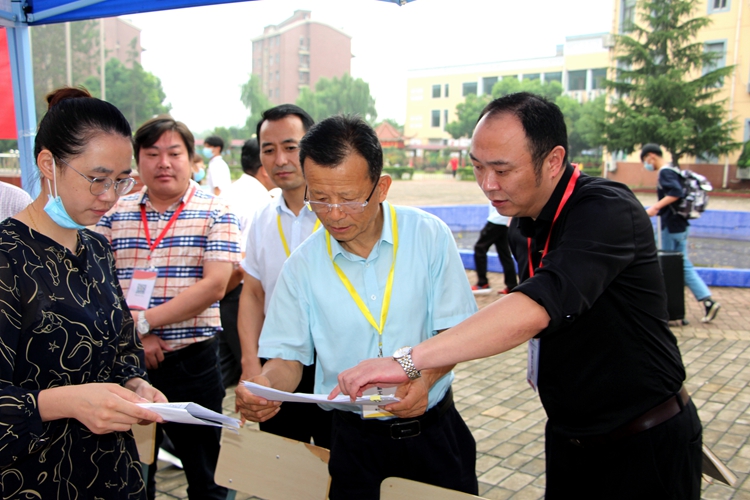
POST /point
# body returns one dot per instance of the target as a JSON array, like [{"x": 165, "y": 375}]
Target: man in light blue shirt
[{"x": 377, "y": 279}]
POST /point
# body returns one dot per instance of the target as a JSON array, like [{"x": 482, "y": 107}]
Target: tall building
[
  {"x": 122, "y": 40},
  {"x": 580, "y": 65},
  {"x": 297, "y": 53}
]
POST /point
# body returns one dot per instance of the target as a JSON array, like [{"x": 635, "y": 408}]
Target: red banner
[{"x": 7, "y": 113}]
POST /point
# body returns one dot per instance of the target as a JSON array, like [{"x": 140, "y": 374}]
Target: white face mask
[
  {"x": 55, "y": 208},
  {"x": 649, "y": 166}
]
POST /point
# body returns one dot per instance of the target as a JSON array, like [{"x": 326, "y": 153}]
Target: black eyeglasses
[
  {"x": 100, "y": 185},
  {"x": 349, "y": 207}
]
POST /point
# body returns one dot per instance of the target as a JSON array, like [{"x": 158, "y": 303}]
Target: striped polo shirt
[{"x": 205, "y": 230}]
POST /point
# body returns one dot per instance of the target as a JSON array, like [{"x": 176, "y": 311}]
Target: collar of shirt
[
  {"x": 385, "y": 235},
  {"x": 529, "y": 226},
  {"x": 188, "y": 192}
]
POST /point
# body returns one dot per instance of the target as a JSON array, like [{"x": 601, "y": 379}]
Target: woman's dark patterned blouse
[{"x": 63, "y": 321}]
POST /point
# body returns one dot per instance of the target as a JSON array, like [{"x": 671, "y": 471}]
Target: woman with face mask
[{"x": 71, "y": 369}]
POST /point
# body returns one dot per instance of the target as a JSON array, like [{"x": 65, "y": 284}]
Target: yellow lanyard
[
  {"x": 388, "y": 286},
  {"x": 281, "y": 233}
]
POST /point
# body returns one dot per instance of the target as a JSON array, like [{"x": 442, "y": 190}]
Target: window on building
[
  {"x": 487, "y": 83},
  {"x": 627, "y": 15},
  {"x": 435, "y": 122},
  {"x": 598, "y": 75},
  {"x": 270, "y": 60},
  {"x": 277, "y": 76},
  {"x": 555, "y": 76},
  {"x": 469, "y": 88},
  {"x": 277, "y": 58},
  {"x": 445, "y": 90},
  {"x": 531, "y": 76},
  {"x": 435, "y": 91},
  {"x": 718, "y": 48},
  {"x": 716, "y": 6},
  {"x": 577, "y": 80},
  {"x": 445, "y": 118}
]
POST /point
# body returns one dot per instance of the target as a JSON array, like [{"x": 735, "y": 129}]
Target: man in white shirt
[
  {"x": 218, "y": 178},
  {"x": 275, "y": 232}
]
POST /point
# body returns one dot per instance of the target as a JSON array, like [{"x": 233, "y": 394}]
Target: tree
[
  {"x": 667, "y": 85},
  {"x": 136, "y": 92},
  {"x": 255, "y": 101},
  {"x": 509, "y": 85},
  {"x": 49, "y": 61},
  {"x": 467, "y": 114},
  {"x": 339, "y": 95},
  {"x": 585, "y": 123}
]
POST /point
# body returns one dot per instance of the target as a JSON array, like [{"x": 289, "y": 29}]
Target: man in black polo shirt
[{"x": 592, "y": 306}]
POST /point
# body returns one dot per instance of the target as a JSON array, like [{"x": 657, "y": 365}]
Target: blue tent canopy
[{"x": 24, "y": 13}]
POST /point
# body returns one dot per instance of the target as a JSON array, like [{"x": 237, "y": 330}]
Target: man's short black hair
[
  {"x": 331, "y": 141},
  {"x": 651, "y": 148},
  {"x": 151, "y": 131},
  {"x": 215, "y": 141},
  {"x": 542, "y": 121},
  {"x": 250, "y": 158},
  {"x": 282, "y": 111}
]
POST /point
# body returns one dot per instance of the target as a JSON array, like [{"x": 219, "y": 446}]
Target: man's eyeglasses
[
  {"x": 349, "y": 207},
  {"x": 100, "y": 185}
]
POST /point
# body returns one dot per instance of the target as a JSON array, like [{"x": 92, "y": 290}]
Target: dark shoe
[
  {"x": 712, "y": 308},
  {"x": 504, "y": 291}
]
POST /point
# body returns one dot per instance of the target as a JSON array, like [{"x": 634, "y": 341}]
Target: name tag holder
[{"x": 141, "y": 288}]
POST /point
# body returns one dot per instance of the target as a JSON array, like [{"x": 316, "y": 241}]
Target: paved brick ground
[{"x": 507, "y": 419}]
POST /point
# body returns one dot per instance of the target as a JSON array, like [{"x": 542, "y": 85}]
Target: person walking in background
[
  {"x": 12, "y": 200},
  {"x": 454, "y": 166},
  {"x": 494, "y": 232},
  {"x": 218, "y": 177},
  {"x": 71, "y": 370},
  {"x": 182, "y": 243},
  {"x": 675, "y": 227}
]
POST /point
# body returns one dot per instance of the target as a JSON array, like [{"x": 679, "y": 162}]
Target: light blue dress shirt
[{"x": 311, "y": 310}]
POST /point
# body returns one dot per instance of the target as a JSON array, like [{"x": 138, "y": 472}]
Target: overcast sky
[{"x": 203, "y": 55}]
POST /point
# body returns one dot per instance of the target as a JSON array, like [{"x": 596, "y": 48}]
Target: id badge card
[
  {"x": 374, "y": 411},
  {"x": 141, "y": 288},
  {"x": 532, "y": 366}
]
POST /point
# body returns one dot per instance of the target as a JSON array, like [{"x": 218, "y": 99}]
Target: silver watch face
[{"x": 400, "y": 353}]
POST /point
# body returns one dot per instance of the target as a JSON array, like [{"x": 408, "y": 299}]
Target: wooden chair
[
  {"x": 397, "y": 488},
  {"x": 272, "y": 467},
  {"x": 145, "y": 440}
]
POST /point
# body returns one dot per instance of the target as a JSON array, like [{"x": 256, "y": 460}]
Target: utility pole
[{"x": 68, "y": 57}]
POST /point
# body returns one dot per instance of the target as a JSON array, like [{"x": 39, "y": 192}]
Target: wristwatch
[
  {"x": 142, "y": 326},
  {"x": 403, "y": 356}
]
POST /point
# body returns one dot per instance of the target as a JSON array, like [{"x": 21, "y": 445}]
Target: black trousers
[
  {"x": 191, "y": 374},
  {"x": 663, "y": 463},
  {"x": 302, "y": 421},
  {"x": 494, "y": 234},
  {"x": 444, "y": 454},
  {"x": 230, "y": 352}
]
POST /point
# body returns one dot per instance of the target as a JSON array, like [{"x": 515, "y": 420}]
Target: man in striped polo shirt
[{"x": 175, "y": 247}]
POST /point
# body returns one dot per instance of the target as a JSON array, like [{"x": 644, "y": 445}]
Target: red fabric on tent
[{"x": 7, "y": 113}]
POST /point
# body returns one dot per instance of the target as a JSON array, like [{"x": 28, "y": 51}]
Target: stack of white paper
[
  {"x": 191, "y": 413},
  {"x": 300, "y": 397}
]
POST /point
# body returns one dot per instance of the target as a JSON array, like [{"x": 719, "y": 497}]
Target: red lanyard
[
  {"x": 163, "y": 233},
  {"x": 566, "y": 196}
]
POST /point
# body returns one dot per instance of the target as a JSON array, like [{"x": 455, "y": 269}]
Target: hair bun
[{"x": 54, "y": 97}]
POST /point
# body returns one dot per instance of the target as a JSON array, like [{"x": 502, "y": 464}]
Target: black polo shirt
[{"x": 608, "y": 354}]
